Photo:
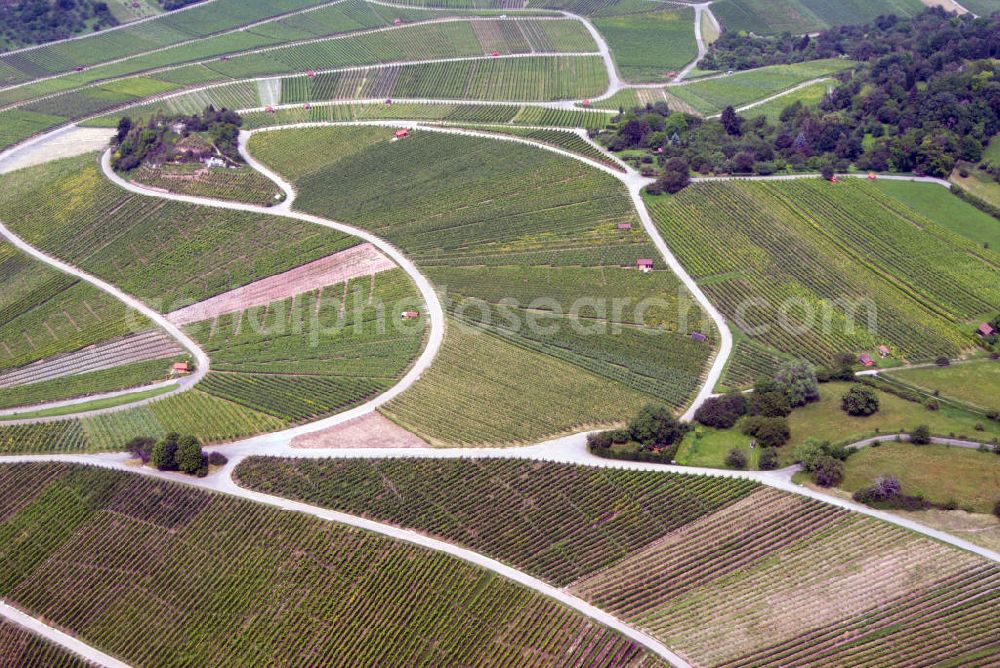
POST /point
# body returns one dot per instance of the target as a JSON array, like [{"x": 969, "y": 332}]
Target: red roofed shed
[
  {"x": 624, "y": 226},
  {"x": 398, "y": 22},
  {"x": 986, "y": 329},
  {"x": 495, "y": 54},
  {"x": 180, "y": 367},
  {"x": 884, "y": 351},
  {"x": 402, "y": 134},
  {"x": 410, "y": 315},
  {"x": 643, "y": 264},
  {"x": 866, "y": 359}
]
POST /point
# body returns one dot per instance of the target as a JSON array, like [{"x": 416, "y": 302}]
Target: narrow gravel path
[{"x": 699, "y": 10}]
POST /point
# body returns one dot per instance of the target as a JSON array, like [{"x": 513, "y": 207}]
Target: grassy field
[
  {"x": 980, "y": 184},
  {"x": 169, "y": 254},
  {"x": 945, "y": 209},
  {"x": 73, "y": 535},
  {"x": 982, "y": 7},
  {"x": 809, "y": 96},
  {"x": 826, "y": 421},
  {"x": 535, "y": 264},
  {"x": 646, "y": 46},
  {"x": 976, "y": 383},
  {"x": 801, "y": 16},
  {"x": 939, "y": 473},
  {"x": 830, "y": 267},
  {"x": 707, "y": 587},
  {"x": 711, "y": 96}
]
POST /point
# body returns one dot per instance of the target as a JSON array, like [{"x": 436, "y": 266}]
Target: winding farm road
[
  {"x": 201, "y": 359},
  {"x": 570, "y": 449},
  {"x": 424, "y": 286},
  {"x": 699, "y": 11}
]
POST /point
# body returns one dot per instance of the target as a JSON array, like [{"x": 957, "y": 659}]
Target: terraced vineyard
[
  {"x": 72, "y": 533},
  {"x": 242, "y": 185},
  {"x": 82, "y": 384},
  {"x": 647, "y": 46},
  {"x": 525, "y": 225},
  {"x": 168, "y": 254},
  {"x": 450, "y": 113},
  {"x": 704, "y": 582},
  {"x": 563, "y": 139},
  {"x": 22, "y": 648},
  {"x": 45, "y": 312},
  {"x": 822, "y": 255},
  {"x": 571, "y": 521},
  {"x": 802, "y": 16},
  {"x": 302, "y": 358}
]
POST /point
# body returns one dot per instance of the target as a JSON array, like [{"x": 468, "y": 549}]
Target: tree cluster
[
  {"x": 932, "y": 32},
  {"x": 824, "y": 462},
  {"x": 215, "y": 132},
  {"x": 654, "y": 429},
  {"x": 29, "y": 22},
  {"x": 174, "y": 452},
  {"x": 860, "y": 401},
  {"x": 925, "y": 95}
]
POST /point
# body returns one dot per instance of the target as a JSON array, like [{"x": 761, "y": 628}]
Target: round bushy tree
[
  {"x": 798, "y": 380},
  {"x": 921, "y": 435},
  {"x": 736, "y": 459},
  {"x": 655, "y": 426},
  {"x": 722, "y": 412},
  {"x": 828, "y": 471},
  {"x": 164, "y": 452},
  {"x": 860, "y": 401},
  {"x": 770, "y": 432},
  {"x": 189, "y": 456},
  {"x": 768, "y": 459}
]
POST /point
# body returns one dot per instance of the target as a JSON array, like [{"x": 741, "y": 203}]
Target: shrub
[
  {"x": 933, "y": 405},
  {"x": 996, "y": 509},
  {"x": 860, "y": 401},
  {"x": 736, "y": 459},
  {"x": 799, "y": 383},
  {"x": 828, "y": 471},
  {"x": 217, "y": 459},
  {"x": 942, "y": 361},
  {"x": 189, "y": 455},
  {"x": 921, "y": 435},
  {"x": 620, "y": 436},
  {"x": 164, "y": 452},
  {"x": 656, "y": 427},
  {"x": 141, "y": 447},
  {"x": 768, "y": 459},
  {"x": 770, "y": 432},
  {"x": 722, "y": 412},
  {"x": 772, "y": 403},
  {"x": 600, "y": 439}
]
